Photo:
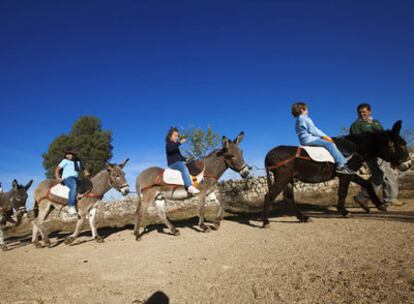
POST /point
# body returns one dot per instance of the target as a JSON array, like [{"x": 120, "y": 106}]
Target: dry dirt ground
[{"x": 365, "y": 259}]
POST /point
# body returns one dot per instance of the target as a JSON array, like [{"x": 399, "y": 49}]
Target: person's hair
[
  {"x": 298, "y": 107},
  {"x": 363, "y": 106},
  {"x": 170, "y": 132}
]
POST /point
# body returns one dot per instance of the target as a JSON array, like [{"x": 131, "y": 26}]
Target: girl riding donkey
[
  {"x": 175, "y": 159},
  {"x": 70, "y": 166}
]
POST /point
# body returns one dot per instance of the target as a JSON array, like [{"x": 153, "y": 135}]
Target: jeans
[
  {"x": 180, "y": 166},
  {"x": 382, "y": 175},
  {"x": 331, "y": 147},
  {"x": 71, "y": 182}
]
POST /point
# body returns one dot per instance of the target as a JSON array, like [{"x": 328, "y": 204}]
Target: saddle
[
  {"x": 60, "y": 193},
  {"x": 320, "y": 154}
]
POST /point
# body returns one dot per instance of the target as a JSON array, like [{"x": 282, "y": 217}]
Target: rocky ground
[{"x": 368, "y": 258}]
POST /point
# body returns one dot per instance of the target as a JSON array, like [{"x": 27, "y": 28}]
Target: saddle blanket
[
  {"x": 174, "y": 177},
  {"x": 319, "y": 154},
  {"x": 60, "y": 191}
]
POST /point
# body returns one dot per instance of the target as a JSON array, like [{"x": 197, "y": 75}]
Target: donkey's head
[
  {"x": 117, "y": 177},
  {"x": 19, "y": 196},
  {"x": 394, "y": 148},
  {"x": 233, "y": 155}
]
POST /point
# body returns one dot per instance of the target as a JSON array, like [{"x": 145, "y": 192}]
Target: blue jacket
[{"x": 306, "y": 130}]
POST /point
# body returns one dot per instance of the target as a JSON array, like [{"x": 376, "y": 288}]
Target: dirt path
[{"x": 365, "y": 259}]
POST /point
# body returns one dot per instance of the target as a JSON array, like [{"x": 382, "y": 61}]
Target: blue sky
[{"x": 143, "y": 66}]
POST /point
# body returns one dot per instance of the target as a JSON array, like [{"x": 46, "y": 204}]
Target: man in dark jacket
[{"x": 381, "y": 172}]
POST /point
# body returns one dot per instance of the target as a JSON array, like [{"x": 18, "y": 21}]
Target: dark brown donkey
[
  {"x": 288, "y": 163},
  {"x": 110, "y": 177},
  {"x": 15, "y": 200},
  {"x": 151, "y": 190}
]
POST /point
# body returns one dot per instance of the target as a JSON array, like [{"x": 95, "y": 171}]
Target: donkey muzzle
[
  {"x": 245, "y": 171},
  {"x": 124, "y": 189}
]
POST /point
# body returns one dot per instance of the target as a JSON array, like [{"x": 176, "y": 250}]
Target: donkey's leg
[
  {"x": 370, "y": 188},
  {"x": 289, "y": 197},
  {"x": 44, "y": 211},
  {"x": 92, "y": 224},
  {"x": 220, "y": 212},
  {"x": 344, "y": 181},
  {"x": 138, "y": 217},
  {"x": 201, "y": 211},
  {"x": 160, "y": 205},
  {"x": 2, "y": 245},
  {"x": 82, "y": 216},
  {"x": 280, "y": 182}
]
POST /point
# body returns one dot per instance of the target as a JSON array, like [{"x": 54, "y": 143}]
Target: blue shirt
[
  {"x": 68, "y": 167},
  {"x": 306, "y": 130}
]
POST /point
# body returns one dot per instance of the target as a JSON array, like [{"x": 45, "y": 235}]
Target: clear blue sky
[{"x": 143, "y": 66}]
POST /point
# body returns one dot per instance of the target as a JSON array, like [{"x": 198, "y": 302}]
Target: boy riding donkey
[{"x": 70, "y": 167}]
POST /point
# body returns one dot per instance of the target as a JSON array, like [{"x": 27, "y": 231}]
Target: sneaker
[
  {"x": 396, "y": 203},
  {"x": 193, "y": 190},
  {"x": 72, "y": 211},
  {"x": 344, "y": 170}
]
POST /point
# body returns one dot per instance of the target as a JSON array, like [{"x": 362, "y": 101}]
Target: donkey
[
  {"x": 287, "y": 163},
  {"x": 14, "y": 199},
  {"x": 110, "y": 177},
  {"x": 150, "y": 191}
]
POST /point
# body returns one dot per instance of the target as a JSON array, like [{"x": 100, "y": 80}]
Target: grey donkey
[
  {"x": 13, "y": 200},
  {"x": 112, "y": 176},
  {"x": 151, "y": 191}
]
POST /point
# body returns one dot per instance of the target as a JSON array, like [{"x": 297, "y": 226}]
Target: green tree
[
  {"x": 199, "y": 142},
  {"x": 87, "y": 137}
]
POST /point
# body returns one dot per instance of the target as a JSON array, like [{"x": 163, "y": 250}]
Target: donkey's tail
[
  {"x": 269, "y": 179},
  {"x": 35, "y": 209}
]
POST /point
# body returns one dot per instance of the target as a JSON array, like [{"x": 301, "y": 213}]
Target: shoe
[
  {"x": 396, "y": 203},
  {"x": 361, "y": 202},
  {"x": 193, "y": 190},
  {"x": 344, "y": 170},
  {"x": 72, "y": 211}
]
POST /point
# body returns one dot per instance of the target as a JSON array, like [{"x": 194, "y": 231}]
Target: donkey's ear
[
  {"x": 109, "y": 166},
  {"x": 396, "y": 128},
  {"x": 239, "y": 138},
  {"x": 124, "y": 163},
  {"x": 225, "y": 142},
  {"x": 15, "y": 184},
  {"x": 28, "y": 185}
]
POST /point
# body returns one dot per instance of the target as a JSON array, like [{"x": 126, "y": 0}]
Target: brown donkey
[
  {"x": 216, "y": 163},
  {"x": 110, "y": 177}
]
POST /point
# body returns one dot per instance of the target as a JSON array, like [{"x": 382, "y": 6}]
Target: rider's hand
[
  {"x": 327, "y": 138},
  {"x": 59, "y": 180},
  {"x": 86, "y": 173},
  {"x": 183, "y": 140}
]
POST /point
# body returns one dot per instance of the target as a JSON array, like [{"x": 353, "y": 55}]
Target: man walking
[{"x": 381, "y": 172}]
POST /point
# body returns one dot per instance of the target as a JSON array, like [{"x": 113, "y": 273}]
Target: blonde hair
[{"x": 298, "y": 107}]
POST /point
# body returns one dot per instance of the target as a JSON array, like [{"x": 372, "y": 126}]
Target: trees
[
  {"x": 87, "y": 137},
  {"x": 199, "y": 142}
]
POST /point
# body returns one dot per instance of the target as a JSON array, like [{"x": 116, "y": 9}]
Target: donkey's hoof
[
  {"x": 266, "y": 226},
  {"x": 216, "y": 226},
  {"x": 4, "y": 248},
  {"x": 48, "y": 245},
  {"x": 99, "y": 239},
  {"x": 175, "y": 232},
  {"x": 37, "y": 245},
  {"x": 382, "y": 207},
  {"x": 138, "y": 238},
  {"x": 346, "y": 214},
  {"x": 304, "y": 219},
  {"x": 69, "y": 240}
]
